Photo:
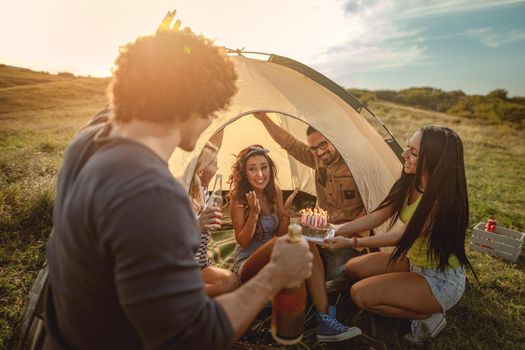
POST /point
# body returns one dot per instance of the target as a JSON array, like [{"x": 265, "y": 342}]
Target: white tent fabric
[{"x": 296, "y": 101}]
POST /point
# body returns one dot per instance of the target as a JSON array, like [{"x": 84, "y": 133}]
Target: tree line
[{"x": 494, "y": 107}]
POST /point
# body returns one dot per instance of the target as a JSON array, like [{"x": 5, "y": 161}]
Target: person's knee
[
  {"x": 232, "y": 282},
  {"x": 359, "y": 296},
  {"x": 351, "y": 269},
  {"x": 228, "y": 282},
  {"x": 313, "y": 249}
]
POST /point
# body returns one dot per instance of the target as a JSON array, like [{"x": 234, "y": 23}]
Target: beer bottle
[{"x": 288, "y": 305}]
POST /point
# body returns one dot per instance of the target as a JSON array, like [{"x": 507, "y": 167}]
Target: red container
[
  {"x": 288, "y": 306},
  {"x": 490, "y": 226}
]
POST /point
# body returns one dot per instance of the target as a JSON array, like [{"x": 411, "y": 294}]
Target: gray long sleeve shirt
[{"x": 121, "y": 260}]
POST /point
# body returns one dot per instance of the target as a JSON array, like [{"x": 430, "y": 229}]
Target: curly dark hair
[
  {"x": 167, "y": 76},
  {"x": 240, "y": 185}
]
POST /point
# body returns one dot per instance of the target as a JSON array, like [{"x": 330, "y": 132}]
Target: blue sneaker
[{"x": 330, "y": 330}]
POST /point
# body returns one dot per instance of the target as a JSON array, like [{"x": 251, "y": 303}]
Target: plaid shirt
[{"x": 202, "y": 252}]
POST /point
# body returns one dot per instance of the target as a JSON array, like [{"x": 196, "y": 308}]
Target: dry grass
[{"x": 37, "y": 121}]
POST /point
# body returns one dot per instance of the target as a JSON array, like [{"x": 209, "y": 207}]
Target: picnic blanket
[{"x": 221, "y": 247}]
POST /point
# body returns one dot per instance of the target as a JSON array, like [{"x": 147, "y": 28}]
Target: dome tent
[{"x": 296, "y": 96}]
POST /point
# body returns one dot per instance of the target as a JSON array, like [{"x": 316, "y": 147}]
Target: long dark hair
[
  {"x": 240, "y": 185},
  {"x": 443, "y": 211}
]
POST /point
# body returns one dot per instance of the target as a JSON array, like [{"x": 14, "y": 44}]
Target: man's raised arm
[
  {"x": 296, "y": 148},
  {"x": 277, "y": 133}
]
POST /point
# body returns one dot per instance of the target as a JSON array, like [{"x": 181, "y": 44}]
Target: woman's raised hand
[
  {"x": 253, "y": 202},
  {"x": 289, "y": 201}
]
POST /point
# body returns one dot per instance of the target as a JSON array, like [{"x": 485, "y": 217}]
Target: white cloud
[
  {"x": 374, "y": 41},
  {"x": 416, "y": 8},
  {"x": 489, "y": 38},
  {"x": 380, "y": 35},
  {"x": 336, "y": 36}
]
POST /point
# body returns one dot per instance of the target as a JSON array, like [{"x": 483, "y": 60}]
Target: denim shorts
[{"x": 447, "y": 287}]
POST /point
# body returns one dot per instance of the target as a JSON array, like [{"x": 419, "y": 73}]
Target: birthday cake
[{"x": 314, "y": 222}]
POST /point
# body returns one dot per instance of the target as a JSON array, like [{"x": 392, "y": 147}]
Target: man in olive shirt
[{"x": 335, "y": 187}]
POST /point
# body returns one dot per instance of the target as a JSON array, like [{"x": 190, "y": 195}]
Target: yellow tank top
[{"x": 419, "y": 249}]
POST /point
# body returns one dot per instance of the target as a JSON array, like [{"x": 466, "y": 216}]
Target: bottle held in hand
[
  {"x": 216, "y": 194},
  {"x": 215, "y": 199},
  {"x": 288, "y": 305}
]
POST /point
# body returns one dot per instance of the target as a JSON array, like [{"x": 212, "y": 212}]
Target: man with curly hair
[{"x": 122, "y": 272}]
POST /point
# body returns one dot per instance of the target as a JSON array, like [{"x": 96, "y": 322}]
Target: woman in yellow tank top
[{"x": 423, "y": 277}]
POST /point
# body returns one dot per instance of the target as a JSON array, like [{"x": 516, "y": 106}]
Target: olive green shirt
[{"x": 335, "y": 187}]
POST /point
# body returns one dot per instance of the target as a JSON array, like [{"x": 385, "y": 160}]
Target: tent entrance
[
  {"x": 245, "y": 130},
  {"x": 302, "y": 97}
]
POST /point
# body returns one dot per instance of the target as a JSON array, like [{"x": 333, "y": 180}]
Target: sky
[{"x": 472, "y": 45}]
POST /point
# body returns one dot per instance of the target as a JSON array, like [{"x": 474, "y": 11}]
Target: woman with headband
[{"x": 258, "y": 215}]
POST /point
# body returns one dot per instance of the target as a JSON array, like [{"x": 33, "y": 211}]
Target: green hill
[
  {"x": 495, "y": 107},
  {"x": 15, "y": 76},
  {"x": 40, "y": 113},
  {"x": 25, "y": 90}
]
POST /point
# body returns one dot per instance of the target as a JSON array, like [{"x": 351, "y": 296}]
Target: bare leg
[
  {"x": 389, "y": 289},
  {"x": 373, "y": 264},
  {"x": 218, "y": 281},
  {"x": 257, "y": 261},
  {"x": 396, "y": 294},
  {"x": 316, "y": 283}
]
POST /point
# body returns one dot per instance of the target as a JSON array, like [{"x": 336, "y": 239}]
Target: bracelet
[{"x": 352, "y": 245}]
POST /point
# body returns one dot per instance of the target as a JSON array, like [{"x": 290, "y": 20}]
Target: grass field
[{"x": 39, "y": 114}]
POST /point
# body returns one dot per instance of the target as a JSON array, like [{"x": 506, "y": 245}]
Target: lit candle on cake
[
  {"x": 316, "y": 218},
  {"x": 321, "y": 219},
  {"x": 303, "y": 217}
]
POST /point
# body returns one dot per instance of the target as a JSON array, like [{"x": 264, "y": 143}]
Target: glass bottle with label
[{"x": 288, "y": 305}]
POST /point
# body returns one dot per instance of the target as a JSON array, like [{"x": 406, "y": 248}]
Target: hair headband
[
  {"x": 211, "y": 146},
  {"x": 255, "y": 150}
]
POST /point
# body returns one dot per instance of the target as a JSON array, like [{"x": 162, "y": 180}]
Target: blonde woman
[{"x": 217, "y": 281}]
